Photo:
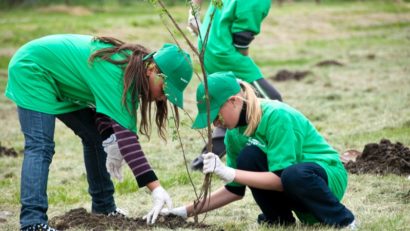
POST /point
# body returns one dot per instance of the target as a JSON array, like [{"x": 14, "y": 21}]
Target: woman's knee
[
  {"x": 43, "y": 150},
  {"x": 300, "y": 176},
  {"x": 293, "y": 178}
]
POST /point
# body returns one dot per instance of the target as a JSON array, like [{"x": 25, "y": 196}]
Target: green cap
[
  {"x": 221, "y": 86},
  {"x": 176, "y": 65}
]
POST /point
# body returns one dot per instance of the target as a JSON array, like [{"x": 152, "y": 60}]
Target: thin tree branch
[{"x": 178, "y": 28}]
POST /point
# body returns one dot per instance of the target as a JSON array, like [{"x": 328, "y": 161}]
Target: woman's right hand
[
  {"x": 194, "y": 23},
  {"x": 179, "y": 211}
]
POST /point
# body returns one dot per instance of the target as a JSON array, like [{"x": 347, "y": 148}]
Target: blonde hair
[{"x": 253, "y": 107}]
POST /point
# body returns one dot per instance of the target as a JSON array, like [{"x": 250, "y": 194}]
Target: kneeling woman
[{"x": 275, "y": 151}]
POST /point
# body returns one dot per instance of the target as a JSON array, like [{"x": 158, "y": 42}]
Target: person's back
[
  {"x": 233, "y": 28},
  {"x": 53, "y": 75}
]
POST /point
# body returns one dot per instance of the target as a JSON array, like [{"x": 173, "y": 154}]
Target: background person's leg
[
  {"x": 38, "y": 130},
  {"x": 274, "y": 205},
  {"x": 101, "y": 188},
  {"x": 218, "y": 147},
  {"x": 306, "y": 185},
  {"x": 265, "y": 90}
]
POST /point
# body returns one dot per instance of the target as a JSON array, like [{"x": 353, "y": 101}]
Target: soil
[
  {"x": 4, "y": 151},
  {"x": 284, "y": 75},
  {"x": 326, "y": 63},
  {"x": 79, "y": 217},
  {"x": 383, "y": 158}
]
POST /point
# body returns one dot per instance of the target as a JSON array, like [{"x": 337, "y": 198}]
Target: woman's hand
[
  {"x": 194, "y": 22},
  {"x": 212, "y": 164},
  {"x": 114, "y": 161},
  {"x": 179, "y": 211},
  {"x": 159, "y": 198}
]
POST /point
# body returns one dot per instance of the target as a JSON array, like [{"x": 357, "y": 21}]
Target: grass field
[{"x": 363, "y": 101}]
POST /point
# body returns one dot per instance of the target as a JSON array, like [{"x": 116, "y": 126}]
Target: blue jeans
[{"x": 38, "y": 129}]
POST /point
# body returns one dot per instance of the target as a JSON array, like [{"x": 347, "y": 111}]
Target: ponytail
[{"x": 253, "y": 108}]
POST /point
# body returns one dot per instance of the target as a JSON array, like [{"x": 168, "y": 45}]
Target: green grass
[{"x": 363, "y": 101}]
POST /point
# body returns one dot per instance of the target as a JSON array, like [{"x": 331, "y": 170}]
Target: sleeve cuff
[
  {"x": 107, "y": 133},
  {"x": 242, "y": 39},
  {"x": 145, "y": 178},
  {"x": 240, "y": 191}
]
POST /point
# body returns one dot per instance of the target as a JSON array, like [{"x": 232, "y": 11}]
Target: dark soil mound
[
  {"x": 326, "y": 63},
  {"x": 383, "y": 158},
  {"x": 284, "y": 75},
  {"x": 4, "y": 151},
  {"x": 81, "y": 218}
]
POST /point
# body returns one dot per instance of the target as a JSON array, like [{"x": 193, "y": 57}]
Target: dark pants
[
  {"x": 265, "y": 90},
  {"x": 305, "y": 190},
  {"x": 100, "y": 188}
]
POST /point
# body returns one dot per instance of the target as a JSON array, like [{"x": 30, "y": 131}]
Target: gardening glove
[
  {"x": 212, "y": 164},
  {"x": 193, "y": 27},
  {"x": 180, "y": 212},
  {"x": 114, "y": 161},
  {"x": 159, "y": 197}
]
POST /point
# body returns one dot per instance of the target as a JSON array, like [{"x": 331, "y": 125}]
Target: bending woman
[{"x": 94, "y": 86}]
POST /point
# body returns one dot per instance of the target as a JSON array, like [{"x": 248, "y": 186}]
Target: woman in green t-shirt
[
  {"x": 94, "y": 85},
  {"x": 275, "y": 151}
]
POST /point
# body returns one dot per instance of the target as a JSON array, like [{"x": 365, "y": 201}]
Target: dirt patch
[
  {"x": 79, "y": 217},
  {"x": 326, "y": 63},
  {"x": 71, "y": 10},
  {"x": 285, "y": 75},
  {"x": 382, "y": 158},
  {"x": 4, "y": 151}
]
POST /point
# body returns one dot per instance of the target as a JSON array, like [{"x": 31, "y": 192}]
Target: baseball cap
[
  {"x": 221, "y": 86},
  {"x": 176, "y": 66}
]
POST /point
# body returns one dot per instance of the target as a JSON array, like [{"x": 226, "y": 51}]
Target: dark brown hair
[{"x": 136, "y": 85}]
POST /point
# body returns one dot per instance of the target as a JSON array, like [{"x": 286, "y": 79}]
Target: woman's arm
[
  {"x": 261, "y": 180},
  {"x": 219, "y": 198}
]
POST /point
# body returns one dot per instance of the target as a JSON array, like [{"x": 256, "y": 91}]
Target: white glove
[
  {"x": 193, "y": 27},
  {"x": 180, "y": 212},
  {"x": 159, "y": 197},
  {"x": 114, "y": 161},
  {"x": 212, "y": 163}
]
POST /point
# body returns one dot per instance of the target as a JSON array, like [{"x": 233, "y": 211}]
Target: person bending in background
[
  {"x": 94, "y": 86},
  {"x": 233, "y": 28},
  {"x": 274, "y": 150}
]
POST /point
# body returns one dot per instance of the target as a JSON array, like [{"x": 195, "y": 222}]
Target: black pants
[
  {"x": 101, "y": 188},
  {"x": 265, "y": 90},
  {"x": 305, "y": 190}
]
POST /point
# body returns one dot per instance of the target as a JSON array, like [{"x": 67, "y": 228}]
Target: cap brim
[
  {"x": 148, "y": 56},
  {"x": 201, "y": 120},
  {"x": 173, "y": 94}
]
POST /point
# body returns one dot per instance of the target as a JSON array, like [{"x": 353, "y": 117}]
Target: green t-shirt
[
  {"x": 235, "y": 16},
  {"x": 288, "y": 137},
  {"x": 52, "y": 75}
]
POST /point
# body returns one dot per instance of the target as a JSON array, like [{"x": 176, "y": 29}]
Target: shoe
[
  {"x": 218, "y": 147},
  {"x": 38, "y": 227},
  {"x": 351, "y": 226},
  {"x": 117, "y": 213},
  {"x": 262, "y": 220}
]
